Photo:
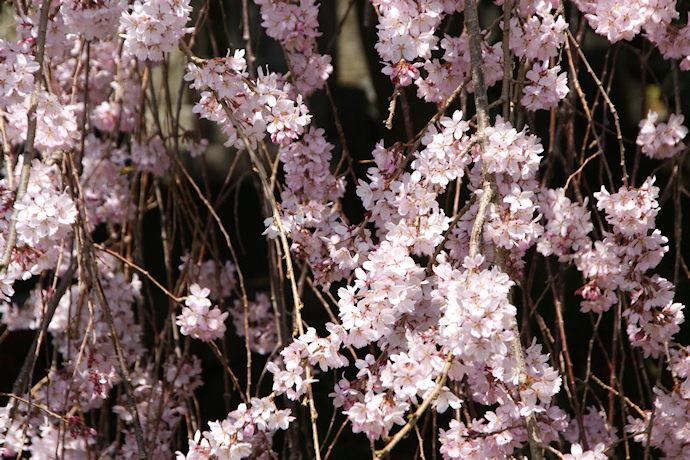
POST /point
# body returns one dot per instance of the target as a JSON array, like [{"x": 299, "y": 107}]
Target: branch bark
[
  {"x": 489, "y": 187},
  {"x": 29, "y": 150}
]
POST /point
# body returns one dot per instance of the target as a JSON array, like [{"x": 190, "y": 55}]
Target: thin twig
[
  {"x": 617, "y": 393},
  {"x": 123, "y": 369},
  {"x": 610, "y": 105},
  {"x": 144, "y": 272}
]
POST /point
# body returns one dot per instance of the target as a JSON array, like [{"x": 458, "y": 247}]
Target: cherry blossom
[
  {"x": 661, "y": 140},
  {"x": 95, "y": 20},
  {"x": 539, "y": 38},
  {"x": 198, "y": 319},
  {"x": 547, "y": 87},
  {"x": 577, "y": 453},
  {"x": 439, "y": 284},
  {"x": 154, "y": 27}
]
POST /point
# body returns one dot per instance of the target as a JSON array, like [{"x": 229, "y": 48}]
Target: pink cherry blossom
[
  {"x": 661, "y": 140},
  {"x": 197, "y": 319}
]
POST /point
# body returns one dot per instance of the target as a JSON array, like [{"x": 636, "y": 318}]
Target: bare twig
[
  {"x": 20, "y": 384},
  {"x": 610, "y": 105},
  {"x": 123, "y": 368},
  {"x": 144, "y": 272}
]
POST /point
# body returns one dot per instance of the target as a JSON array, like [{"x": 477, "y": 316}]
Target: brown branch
[
  {"x": 440, "y": 381},
  {"x": 610, "y": 105},
  {"x": 20, "y": 384},
  {"x": 489, "y": 186},
  {"x": 29, "y": 150},
  {"x": 123, "y": 369},
  {"x": 140, "y": 270}
]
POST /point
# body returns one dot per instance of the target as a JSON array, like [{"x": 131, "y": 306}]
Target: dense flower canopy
[{"x": 496, "y": 270}]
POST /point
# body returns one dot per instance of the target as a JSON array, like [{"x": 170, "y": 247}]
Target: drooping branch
[
  {"x": 488, "y": 192},
  {"x": 412, "y": 422},
  {"x": 29, "y": 150}
]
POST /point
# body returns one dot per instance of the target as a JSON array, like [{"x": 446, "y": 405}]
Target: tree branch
[{"x": 489, "y": 185}]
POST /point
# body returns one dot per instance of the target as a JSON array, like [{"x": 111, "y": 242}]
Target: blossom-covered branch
[{"x": 503, "y": 262}]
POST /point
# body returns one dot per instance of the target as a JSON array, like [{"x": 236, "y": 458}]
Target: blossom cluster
[
  {"x": 619, "y": 20},
  {"x": 56, "y": 124},
  {"x": 295, "y": 26},
  {"x": 567, "y": 226},
  {"x": 406, "y": 29},
  {"x": 151, "y": 157},
  {"x": 669, "y": 431},
  {"x": 423, "y": 286},
  {"x": 259, "y": 107},
  {"x": 539, "y": 37},
  {"x": 247, "y": 431},
  {"x": 154, "y": 27},
  {"x": 661, "y": 140},
  {"x": 619, "y": 261},
  {"x": 440, "y": 162},
  {"x": 95, "y": 19},
  {"x": 198, "y": 319},
  {"x": 476, "y": 315},
  {"x": 394, "y": 303},
  {"x": 318, "y": 234},
  {"x": 444, "y": 75},
  {"x": 106, "y": 188},
  {"x": 498, "y": 432},
  {"x": 17, "y": 67},
  {"x": 45, "y": 215},
  {"x": 306, "y": 350},
  {"x": 546, "y": 89},
  {"x": 513, "y": 158}
]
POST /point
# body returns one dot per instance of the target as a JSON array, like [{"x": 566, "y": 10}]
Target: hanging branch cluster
[{"x": 502, "y": 294}]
